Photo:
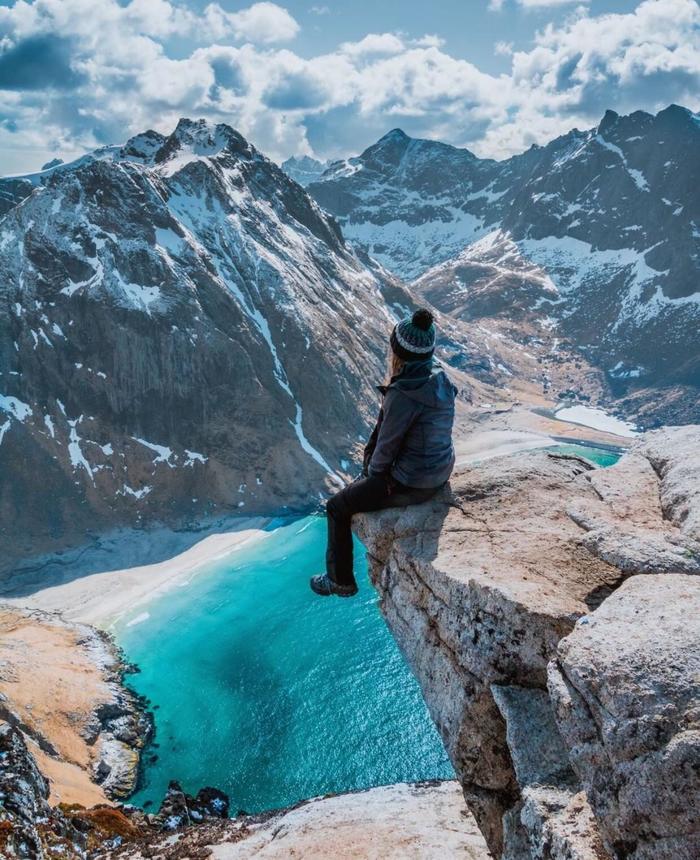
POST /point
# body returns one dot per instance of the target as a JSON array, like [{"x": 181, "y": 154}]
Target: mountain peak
[
  {"x": 676, "y": 117},
  {"x": 142, "y": 147},
  {"x": 609, "y": 121},
  {"x": 396, "y": 135},
  {"x": 200, "y": 138},
  {"x": 302, "y": 161},
  {"x": 304, "y": 169},
  {"x": 388, "y": 150}
]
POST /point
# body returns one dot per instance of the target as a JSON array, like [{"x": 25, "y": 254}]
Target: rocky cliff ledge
[{"x": 551, "y": 613}]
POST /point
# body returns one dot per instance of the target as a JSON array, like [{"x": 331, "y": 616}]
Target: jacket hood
[{"x": 424, "y": 382}]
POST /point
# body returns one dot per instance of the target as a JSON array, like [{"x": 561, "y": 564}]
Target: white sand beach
[
  {"x": 103, "y": 598},
  {"x": 484, "y": 444}
]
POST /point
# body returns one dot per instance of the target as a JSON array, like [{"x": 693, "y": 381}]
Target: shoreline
[
  {"x": 121, "y": 572},
  {"x": 482, "y": 445},
  {"x": 104, "y": 597},
  {"x": 486, "y": 444},
  {"x": 63, "y": 688},
  {"x": 587, "y": 443}
]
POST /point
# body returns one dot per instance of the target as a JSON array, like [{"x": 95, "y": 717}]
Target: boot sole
[{"x": 335, "y": 593}]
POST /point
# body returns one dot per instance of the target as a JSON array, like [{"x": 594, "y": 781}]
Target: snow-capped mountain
[
  {"x": 183, "y": 331},
  {"x": 409, "y": 203},
  {"x": 597, "y": 233},
  {"x": 304, "y": 169}
]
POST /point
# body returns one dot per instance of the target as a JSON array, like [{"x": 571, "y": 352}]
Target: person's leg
[
  {"x": 364, "y": 494},
  {"x": 401, "y": 496}
]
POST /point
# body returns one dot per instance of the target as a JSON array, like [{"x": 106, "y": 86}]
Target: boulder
[{"x": 674, "y": 454}]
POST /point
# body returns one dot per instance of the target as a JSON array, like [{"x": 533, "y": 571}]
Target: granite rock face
[
  {"x": 481, "y": 588},
  {"x": 626, "y": 689}
]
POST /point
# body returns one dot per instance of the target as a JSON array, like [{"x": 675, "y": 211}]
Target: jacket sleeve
[
  {"x": 398, "y": 413},
  {"x": 371, "y": 444}
]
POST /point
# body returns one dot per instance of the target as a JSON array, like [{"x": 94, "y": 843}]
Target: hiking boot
[{"x": 322, "y": 584}]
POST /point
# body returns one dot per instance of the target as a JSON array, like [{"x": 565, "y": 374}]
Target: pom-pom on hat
[{"x": 413, "y": 339}]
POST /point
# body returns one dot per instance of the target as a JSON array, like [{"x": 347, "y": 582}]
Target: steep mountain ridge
[
  {"x": 595, "y": 236},
  {"x": 184, "y": 331}
]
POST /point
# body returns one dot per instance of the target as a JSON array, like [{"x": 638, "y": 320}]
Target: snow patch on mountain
[
  {"x": 403, "y": 246},
  {"x": 15, "y": 407},
  {"x": 575, "y": 263},
  {"x": 636, "y": 175},
  {"x": 164, "y": 454},
  {"x": 597, "y": 419},
  {"x": 75, "y": 452}
]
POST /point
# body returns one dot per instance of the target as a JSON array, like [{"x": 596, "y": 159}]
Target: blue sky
[{"x": 328, "y": 78}]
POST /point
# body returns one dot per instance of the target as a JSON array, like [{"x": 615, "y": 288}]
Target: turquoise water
[
  {"x": 271, "y": 693},
  {"x": 601, "y": 456}
]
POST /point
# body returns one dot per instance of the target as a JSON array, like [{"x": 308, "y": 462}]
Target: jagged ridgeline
[
  {"x": 597, "y": 233},
  {"x": 183, "y": 330}
]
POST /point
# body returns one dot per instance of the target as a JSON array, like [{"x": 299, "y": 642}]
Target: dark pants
[{"x": 364, "y": 494}]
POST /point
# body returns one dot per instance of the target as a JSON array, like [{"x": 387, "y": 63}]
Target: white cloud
[
  {"x": 263, "y": 22},
  {"x": 320, "y": 10},
  {"x": 495, "y": 5},
  {"x": 430, "y": 40},
  {"x": 374, "y": 43},
  {"x": 336, "y": 101}
]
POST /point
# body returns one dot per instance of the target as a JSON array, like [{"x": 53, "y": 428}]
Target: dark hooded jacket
[{"x": 412, "y": 440}]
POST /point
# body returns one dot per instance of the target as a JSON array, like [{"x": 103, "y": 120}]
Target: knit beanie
[{"x": 413, "y": 339}]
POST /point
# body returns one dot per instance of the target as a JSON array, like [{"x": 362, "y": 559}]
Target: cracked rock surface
[
  {"x": 626, "y": 688},
  {"x": 483, "y": 588}
]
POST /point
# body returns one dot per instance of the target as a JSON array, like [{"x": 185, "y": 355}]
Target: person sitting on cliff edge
[{"x": 409, "y": 455}]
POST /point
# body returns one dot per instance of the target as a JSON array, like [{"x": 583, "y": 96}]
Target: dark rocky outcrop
[
  {"x": 32, "y": 829},
  {"x": 28, "y": 824},
  {"x": 180, "y": 809},
  {"x": 175, "y": 313}
]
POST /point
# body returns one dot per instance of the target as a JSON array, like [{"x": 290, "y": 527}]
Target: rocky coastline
[{"x": 62, "y": 688}]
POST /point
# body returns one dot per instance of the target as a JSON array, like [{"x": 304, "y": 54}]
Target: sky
[{"x": 329, "y": 77}]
